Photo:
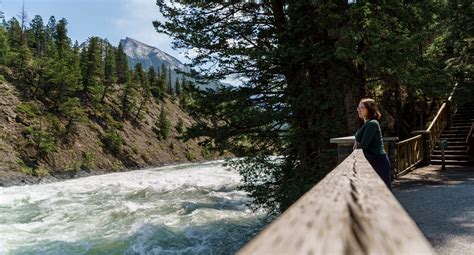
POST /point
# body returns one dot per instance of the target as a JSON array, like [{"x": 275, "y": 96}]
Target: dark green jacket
[{"x": 369, "y": 137}]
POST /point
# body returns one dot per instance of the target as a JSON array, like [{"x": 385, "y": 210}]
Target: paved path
[{"x": 442, "y": 205}]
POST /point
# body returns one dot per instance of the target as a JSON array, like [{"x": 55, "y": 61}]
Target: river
[{"x": 182, "y": 209}]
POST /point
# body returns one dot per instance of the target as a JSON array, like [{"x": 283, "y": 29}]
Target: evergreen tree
[
  {"x": 93, "y": 69},
  {"x": 14, "y": 34},
  {"x": 177, "y": 88},
  {"x": 170, "y": 89},
  {"x": 72, "y": 110},
  {"x": 38, "y": 36},
  {"x": 163, "y": 79},
  {"x": 128, "y": 99},
  {"x": 180, "y": 126},
  {"x": 122, "y": 72},
  {"x": 154, "y": 83},
  {"x": 163, "y": 125},
  {"x": 299, "y": 63},
  {"x": 50, "y": 34},
  {"x": 60, "y": 37},
  {"x": 110, "y": 70},
  {"x": 140, "y": 78},
  {"x": 51, "y": 28},
  {"x": 4, "y": 47}
]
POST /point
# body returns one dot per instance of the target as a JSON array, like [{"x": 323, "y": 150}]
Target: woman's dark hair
[{"x": 372, "y": 108}]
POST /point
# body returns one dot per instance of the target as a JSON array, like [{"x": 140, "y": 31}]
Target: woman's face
[{"x": 362, "y": 111}]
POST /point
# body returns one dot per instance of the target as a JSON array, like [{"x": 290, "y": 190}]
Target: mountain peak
[{"x": 149, "y": 55}]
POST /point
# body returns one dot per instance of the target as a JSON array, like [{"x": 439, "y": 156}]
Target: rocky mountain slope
[{"x": 83, "y": 153}]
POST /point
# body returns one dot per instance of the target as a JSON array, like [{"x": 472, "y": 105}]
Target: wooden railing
[
  {"x": 470, "y": 142},
  {"x": 350, "y": 211},
  {"x": 409, "y": 154},
  {"x": 439, "y": 123},
  {"x": 411, "y": 151}
]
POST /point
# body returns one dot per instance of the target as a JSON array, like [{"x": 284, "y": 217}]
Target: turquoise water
[{"x": 183, "y": 209}]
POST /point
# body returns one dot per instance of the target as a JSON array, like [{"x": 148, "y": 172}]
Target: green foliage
[
  {"x": 4, "y": 46},
  {"x": 27, "y": 170},
  {"x": 87, "y": 161},
  {"x": 179, "y": 126},
  {"x": 190, "y": 156},
  {"x": 92, "y": 69},
  {"x": 41, "y": 172},
  {"x": 302, "y": 66},
  {"x": 163, "y": 125},
  {"x": 14, "y": 34},
  {"x": 73, "y": 111},
  {"x": 37, "y": 35},
  {"x": 112, "y": 142},
  {"x": 41, "y": 139},
  {"x": 29, "y": 108}
]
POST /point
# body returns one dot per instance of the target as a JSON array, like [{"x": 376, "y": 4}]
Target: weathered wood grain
[{"x": 350, "y": 211}]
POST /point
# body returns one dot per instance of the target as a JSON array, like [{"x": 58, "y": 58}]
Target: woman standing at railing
[{"x": 369, "y": 139}]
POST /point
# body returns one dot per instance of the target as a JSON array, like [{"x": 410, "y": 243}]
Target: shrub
[
  {"x": 28, "y": 108},
  {"x": 179, "y": 126},
  {"x": 112, "y": 142},
  {"x": 43, "y": 141},
  {"x": 41, "y": 172}
]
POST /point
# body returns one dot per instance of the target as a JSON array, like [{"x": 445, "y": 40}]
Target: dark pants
[{"x": 381, "y": 164}]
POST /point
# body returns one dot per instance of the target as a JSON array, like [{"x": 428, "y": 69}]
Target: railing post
[{"x": 427, "y": 146}]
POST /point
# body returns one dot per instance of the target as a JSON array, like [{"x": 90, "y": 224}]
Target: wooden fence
[
  {"x": 409, "y": 154},
  {"x": 411, "y": 151},
  {"x": 350, "y": 211}
]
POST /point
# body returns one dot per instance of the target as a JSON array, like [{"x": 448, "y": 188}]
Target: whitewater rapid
[{"x": 182, "y": 209}]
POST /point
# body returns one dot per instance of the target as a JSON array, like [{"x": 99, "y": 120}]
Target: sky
[{"x": 111, "y": 19}]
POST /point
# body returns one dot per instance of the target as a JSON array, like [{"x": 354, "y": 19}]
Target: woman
[{"x": 369, "y": 139}]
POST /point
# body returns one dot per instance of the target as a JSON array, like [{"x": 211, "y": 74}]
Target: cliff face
[{"x": 82, "y": 153}]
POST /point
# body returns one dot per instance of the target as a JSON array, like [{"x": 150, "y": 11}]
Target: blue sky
[{"x": 111, "y": 19}]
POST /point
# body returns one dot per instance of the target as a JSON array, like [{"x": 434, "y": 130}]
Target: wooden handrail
[
  {"x": 350, "y": 211},
  {"x": 409, "y": 154},
  {"x": 441, "y": 119},
  {"x": 470, "y": 142},
  {"x": 410, "y": 151}
]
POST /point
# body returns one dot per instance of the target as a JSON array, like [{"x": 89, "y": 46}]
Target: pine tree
[
  {"x": 73, "y": 111},
  {"x": 122, "y": 70},
  {"x": 14, "y": 34},
  {"x": 50, "y": 34},
  {"x": 38, "y": 35},
  {"x": 180, "y": 126},
  {"x": 153, "y": 82},
  {"x": 109, "y": 71},
  {"x": 163, "y": 125},
  {"x": 299, "y": 62},
  {"x": 140, "y": 78},
  {"x": 128, "y": 99},
  {"x": 93, "y": 70},
  {"x": 177, "y": 88},
  {"x": 163, "y": 79},
  {"x": 4, "y": 47},
  {"x": 170, "y": 89},
  {"x": 61, "y": 38}
]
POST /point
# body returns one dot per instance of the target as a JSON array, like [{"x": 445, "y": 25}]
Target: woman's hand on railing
[{"x": 356, "y": 144}]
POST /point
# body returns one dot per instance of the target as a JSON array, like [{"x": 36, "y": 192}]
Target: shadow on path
[{"x": 442, "y": 205}]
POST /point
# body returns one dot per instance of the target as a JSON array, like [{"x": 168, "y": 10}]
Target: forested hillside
[{"x": 70, "y": 110}]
